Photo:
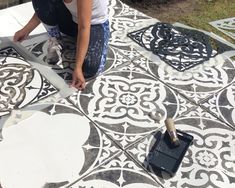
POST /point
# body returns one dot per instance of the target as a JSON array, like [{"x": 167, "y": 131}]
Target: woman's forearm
[
  {"x": 82, "y": 45},
  {"x": 32, "y": 24},
  {"x": 84, "y": 8}
]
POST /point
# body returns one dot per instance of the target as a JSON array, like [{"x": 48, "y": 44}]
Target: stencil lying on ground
[
  {"x": 38, "y": 47},
  {"x": 227, "y": 26},
  {"x": 179, "y": 47}
]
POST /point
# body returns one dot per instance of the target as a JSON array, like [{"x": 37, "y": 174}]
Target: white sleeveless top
[{"x": 99, "y": 11}]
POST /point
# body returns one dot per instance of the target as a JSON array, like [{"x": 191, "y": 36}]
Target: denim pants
[{"x": 55, "y": 13}]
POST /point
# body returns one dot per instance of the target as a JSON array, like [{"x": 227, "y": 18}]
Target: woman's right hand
[
  {"x": 20, "y": 35},
  {"x": 30, "y": 26}
]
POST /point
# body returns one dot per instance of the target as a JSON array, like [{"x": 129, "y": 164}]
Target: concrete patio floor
[{"x": 54, "y": 136}]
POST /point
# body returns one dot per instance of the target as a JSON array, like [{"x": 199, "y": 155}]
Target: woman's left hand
[{"x": 78, "y": 79}]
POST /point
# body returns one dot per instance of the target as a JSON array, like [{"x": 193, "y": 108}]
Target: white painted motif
[{"x": 43, "y": 149}]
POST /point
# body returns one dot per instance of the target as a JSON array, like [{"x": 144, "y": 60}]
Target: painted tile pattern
[
  {"x": 222, "y": 104},
  {"x": 121, "y": 171},
  {"x": 209, "y": 162},
  {"x": 227, "y": 26},
  {"x": 124, "y": 19},
  {"x": 105, "y": 132},
  {"x": 20, "y": 84},
  {"x": 120, "y": 101},
  {"x": 197, "y": 83}
]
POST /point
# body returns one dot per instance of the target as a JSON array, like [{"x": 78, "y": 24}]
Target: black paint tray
[{"x": 165, "y": 156}]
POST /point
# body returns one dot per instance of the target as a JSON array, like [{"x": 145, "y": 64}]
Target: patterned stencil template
[
  {"x": 179, "y": 47},
  {"x": 65, "y": 68},
  {"x": 208, "y": 162},
  {"x": 227, "y": 26},
  {"x": 61, "y": 150},
  {"x": 20, "y": 85}
]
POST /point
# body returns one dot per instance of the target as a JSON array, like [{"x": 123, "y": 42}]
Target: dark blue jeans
[{"x": 54, "y": 12}]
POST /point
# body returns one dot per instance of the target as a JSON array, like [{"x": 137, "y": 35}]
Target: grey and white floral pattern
[
  {"x": 121, "y": 171},
  {"x": 124, "y": 19},
  {"x": 103, "y": 136},
  {"x": 222, "y": 104},
  {"x": 120, "y": 101},
  {"x": 197, "y": 83},
  {"x": 20, "y": 84},
  {"x": 209, "y": 156}
]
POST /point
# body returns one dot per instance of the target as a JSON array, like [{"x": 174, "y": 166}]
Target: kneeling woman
[{"x": 87, "y": 20}]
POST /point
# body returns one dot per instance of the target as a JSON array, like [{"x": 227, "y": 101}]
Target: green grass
[
  {"x": 206, "y": 12},
  {"x": 194, "y": 13}
]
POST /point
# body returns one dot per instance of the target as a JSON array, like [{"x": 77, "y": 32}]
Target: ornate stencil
[
  {"x": 121, "y": 171},
  {"x": 180, "y": 48},
  {"x": 222, "y": 105},
  {"x": 208, "y": 162},
  {"x": 120, "y": 102},
  {"x": 227, "y": 26},
  {"x": 20, "y": 84},
  {"x": 65, "y": 68}
]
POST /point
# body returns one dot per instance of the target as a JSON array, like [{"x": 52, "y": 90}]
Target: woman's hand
[
  {"x": 20, "y": 35},
  {"x": 78, "y": 79},
  {"x": 84, "y": 9},
  {"x": 28, "y": 28}
]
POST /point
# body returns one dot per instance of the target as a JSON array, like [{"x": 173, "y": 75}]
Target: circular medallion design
[
  {"x": 206, "y": 158},
  {"x": 128, "y": 99}
]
